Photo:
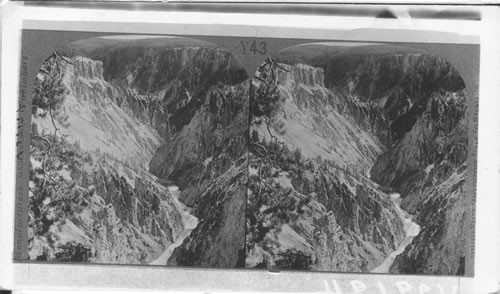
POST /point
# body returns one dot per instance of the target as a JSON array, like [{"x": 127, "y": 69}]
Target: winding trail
[
  {"x": 190, "y": 223},
  {"x": 411, "y": 231}
]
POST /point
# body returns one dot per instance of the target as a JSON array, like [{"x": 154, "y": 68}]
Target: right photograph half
[{"x": 358, "y": 161}]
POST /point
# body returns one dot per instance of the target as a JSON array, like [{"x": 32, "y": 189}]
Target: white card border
[{"x": 34, "y": 276}]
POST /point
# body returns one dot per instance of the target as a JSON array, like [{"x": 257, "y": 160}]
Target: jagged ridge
[
  {"x": 208, "y": 160},
  {"x": 307, "y": 210},
  {"x": 91, "y": 198}
]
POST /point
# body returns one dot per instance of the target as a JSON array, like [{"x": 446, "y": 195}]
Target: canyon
[{"x": 163, "y": 151}]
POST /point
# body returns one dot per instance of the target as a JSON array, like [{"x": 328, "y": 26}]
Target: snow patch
[
  {"x": 253, "y": 171},
  {"x": 289, "y": 238},
  {"x": 429, "y": 168},
  {"x": 35, "y": 164},
  {"x": 207, "y": 161},
  {"x": 284, "y": 180},
  {"x": 173, "y": 188},
  {"x": 69, "y": 232},
  {"x": 65, "y": 173}
]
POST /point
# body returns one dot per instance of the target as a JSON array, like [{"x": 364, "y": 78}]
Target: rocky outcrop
[
  {"x": 219, "y": 240},
  {"x": 208, "y": 160},
  {"x": 194, "y": 100},
  {"x": 440, "y": 247},
  {"x": 422, "y": 118},
  {"x": 429, "y": 167},
  {"x": 404, "y": 83},
  {"x": 436, "y": 146},
  {"x": 414, "y": 104},
  {"x": 390, "y": 86},
  {"x": 214, "y": 138},
  {"x": 89, "y": 113},
  {"x": 311, "y": 205},
  {"x": 90, "y": 212},
  {"x": 309, "y": 208},
  {"x": 91, "y": 198},
  {"x": 178, "y": 77},
  {"x": 168, "y": 78},
  {"x": 309, "y": 116}
]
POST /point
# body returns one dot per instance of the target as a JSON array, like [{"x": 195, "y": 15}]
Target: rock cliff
[
  {"x": 91, "y": 198},
  {"x": 429, "y": 167},
  {"x": 309, "y": 117},
  {"x": 311, "y": 204},
  {"x": 402, "y": 83},
  {"x": 178, "y": 112},
  {"x": 194, "y": 95},
  {"x": 164, "y": 78},
  {"x": 421, "y": 98},
  {"x": 390, "y": 86},
  {"x": 208, "y": 160}
]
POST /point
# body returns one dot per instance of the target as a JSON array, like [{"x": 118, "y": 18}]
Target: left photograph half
[{"x": 138, "y": 153}]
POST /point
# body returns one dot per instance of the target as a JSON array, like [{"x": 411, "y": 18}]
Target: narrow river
[
  {"x": 190, "y": 223},
  {"x": 411, "y": 231}
]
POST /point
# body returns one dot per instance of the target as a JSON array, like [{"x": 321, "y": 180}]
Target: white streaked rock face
[{"x": 126, "y": 216}]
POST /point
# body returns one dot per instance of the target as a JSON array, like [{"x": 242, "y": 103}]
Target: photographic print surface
[
  {"x": 358, "y": 160},
  {"x": 138, "y": 153},
  {"x": 320, "y": 156}
]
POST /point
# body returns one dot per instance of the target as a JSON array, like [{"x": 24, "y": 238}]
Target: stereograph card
[{"x": 248, "y": 154}]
